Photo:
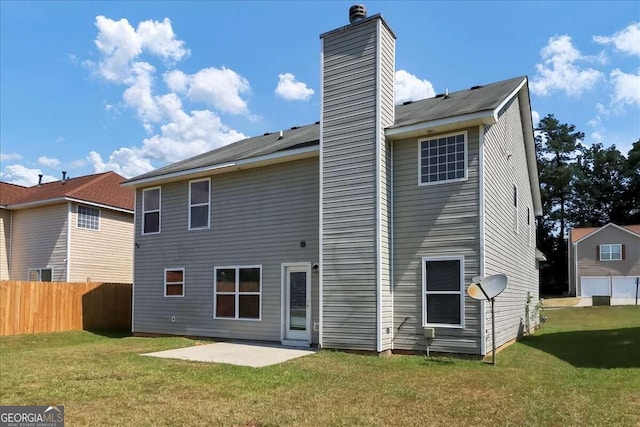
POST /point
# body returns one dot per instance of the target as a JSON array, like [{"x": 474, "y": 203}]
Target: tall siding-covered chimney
[{"x": 358, "y": 66}]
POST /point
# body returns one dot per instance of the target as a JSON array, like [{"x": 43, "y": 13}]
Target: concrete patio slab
[{"x": 243, "y": 354}]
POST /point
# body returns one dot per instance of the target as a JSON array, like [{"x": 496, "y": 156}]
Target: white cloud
[
  {"x": 626, "y": 40},
  {"x": 176, "y": 81},
  {"x": 535, "y": 118},
  {"x": 20, "y": 175},
  {"x": 48, "y": 161},
  {"x": 626, "y": 88},
  {"x": 7, "y": 157},
  {"x": 410, "y": 88},
  {"x": 559, "y": 71},
  {"x": 79, "y": 163},
  {"x": 120, "y": 44},
  {"x": 220, "y": 88},
  {"x": 597, "y": 137},
  {"x": 124, "y": 161},
  {"x": 291, "y": 90}
]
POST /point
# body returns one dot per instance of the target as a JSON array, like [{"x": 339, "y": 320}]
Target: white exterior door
[{"x": 296, "y": 304}]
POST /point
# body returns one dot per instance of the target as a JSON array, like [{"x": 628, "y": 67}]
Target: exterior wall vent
[{"x": 357, "y": 13}]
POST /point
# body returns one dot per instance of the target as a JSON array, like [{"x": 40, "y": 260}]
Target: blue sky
[{"x": 130, "y": 86}]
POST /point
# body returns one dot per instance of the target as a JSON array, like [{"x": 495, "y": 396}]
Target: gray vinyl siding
[
  {"x": 436, "y": 220},
  {"x": 506, "y": 251},
  {"x": 589, "y": 264},
  {"x": 39, "y": 240},
  {"x": 258, "y": 217},
  {"x": 351, "y": 121}
]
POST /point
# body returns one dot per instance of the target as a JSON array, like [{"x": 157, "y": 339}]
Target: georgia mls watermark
[{"x": 32, "y": 416}]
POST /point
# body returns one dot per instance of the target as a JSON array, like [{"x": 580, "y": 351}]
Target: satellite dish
[{"x": 488, "y": 288}]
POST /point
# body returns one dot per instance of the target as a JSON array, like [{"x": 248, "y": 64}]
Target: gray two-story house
[{"x": 356, "y": 232}]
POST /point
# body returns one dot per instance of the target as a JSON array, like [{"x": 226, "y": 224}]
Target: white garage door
[
  {"x": 591, "y": 286},
  {"x": 624, "y": 287}
]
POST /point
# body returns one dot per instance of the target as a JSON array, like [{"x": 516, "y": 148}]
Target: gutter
[
  {"x": 56, "y": 200},
  {"x": 276, "y": 157}
]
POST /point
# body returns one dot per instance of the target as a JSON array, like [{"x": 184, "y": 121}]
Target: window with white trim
[
  {"x": 237, "y": 292},
  {"x": 611, "y": 252},
  {"x": 88, "y": 217},
  {"x": 151, "y": 210},
  {"x": 443, "y": 159},
  {"x": 174, "y": 282},
  {"x": 529, "y": 224},
  {"x": 443, "y": 291},
  {"x": 199, "y": 202},
  {"x": 40, "y": 274}
]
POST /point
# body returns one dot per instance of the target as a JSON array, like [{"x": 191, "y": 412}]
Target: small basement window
[{"x": 40, "y": 274}]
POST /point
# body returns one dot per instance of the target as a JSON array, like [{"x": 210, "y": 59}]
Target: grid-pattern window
[
  {"x": 88, "y": 218},
  {"x": 237, "y": 292},
  {"x": 199, "y": 197},
  {"x": 174, "y": 282},
  {"x": 40, "y": 274},
  {"x": 151, "y": 210},
  {"x": 443, "y": 159},
  {"x": 611, "y": 252},
  {"x": 443, "y": 291}
]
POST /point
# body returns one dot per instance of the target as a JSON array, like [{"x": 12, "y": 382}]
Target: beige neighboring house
[
  {"x": 72, "y": 230},
  {"x": 604, "y": 261}
]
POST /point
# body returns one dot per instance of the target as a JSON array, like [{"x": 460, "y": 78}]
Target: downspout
[
  {"x": 320, "y": 228},
  {"x": 10, "y": 251},
  {"x": 483, "y": 309},
  {"x": 378, "y": 135},
  {"x": 68, "y": 263}
]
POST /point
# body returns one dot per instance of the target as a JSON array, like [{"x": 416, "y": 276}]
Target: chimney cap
[{"x": 357, "y": 13}]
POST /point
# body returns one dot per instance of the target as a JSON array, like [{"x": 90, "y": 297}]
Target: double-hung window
[
  {"x": 88, "y": 218},
  {"x": 443, "y": 159},
  {"x": 151, "y": 210},
  {"x": 174, "y": 282},
  {"x": 199, "y": 202},
  {"x": 611, "y": 252},
  {"x": 443, "y": 291},
  {"x": 237, "y": 292},
  {"x": 515, "y": 208}
]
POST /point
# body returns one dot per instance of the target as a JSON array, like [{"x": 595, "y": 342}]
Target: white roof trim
[
  {"x": 56, "y": 200},
  {"x": 602, "y": 228},
  {"x": 507, "y": 99},
  {"x": 277, "y": 157},
  {"x": 486, "y": 117}
]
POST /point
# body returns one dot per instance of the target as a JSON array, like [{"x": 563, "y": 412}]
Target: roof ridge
[{"x": 92, "y": 181}]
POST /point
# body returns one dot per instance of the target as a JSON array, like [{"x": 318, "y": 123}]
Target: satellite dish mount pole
[{"x": 493, "y": 332}]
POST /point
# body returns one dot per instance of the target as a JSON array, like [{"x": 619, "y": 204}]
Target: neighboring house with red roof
[
  {"x": 604, "y": 261},
  {"x": 72, "y": 230}
]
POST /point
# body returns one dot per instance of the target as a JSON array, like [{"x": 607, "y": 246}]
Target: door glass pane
[
  {"x": 298, "y": 301},
  {"x": 45, "y": 275}
]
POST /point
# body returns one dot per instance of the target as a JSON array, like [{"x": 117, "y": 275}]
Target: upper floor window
[
  {"x": 151, "y": 210},
  {"x": 611, "y": 252},
  {"x": 443, "y": 159},
  {"x": 199, "y": 201},
  {"x": 443, "y": 291},
  {"x": 88, "y": 218}
]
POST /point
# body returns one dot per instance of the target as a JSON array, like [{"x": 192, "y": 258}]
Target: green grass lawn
[{"x": 581, "y": 369}]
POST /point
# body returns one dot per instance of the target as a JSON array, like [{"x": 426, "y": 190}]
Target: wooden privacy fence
[{"x": 33, "y": 307}]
